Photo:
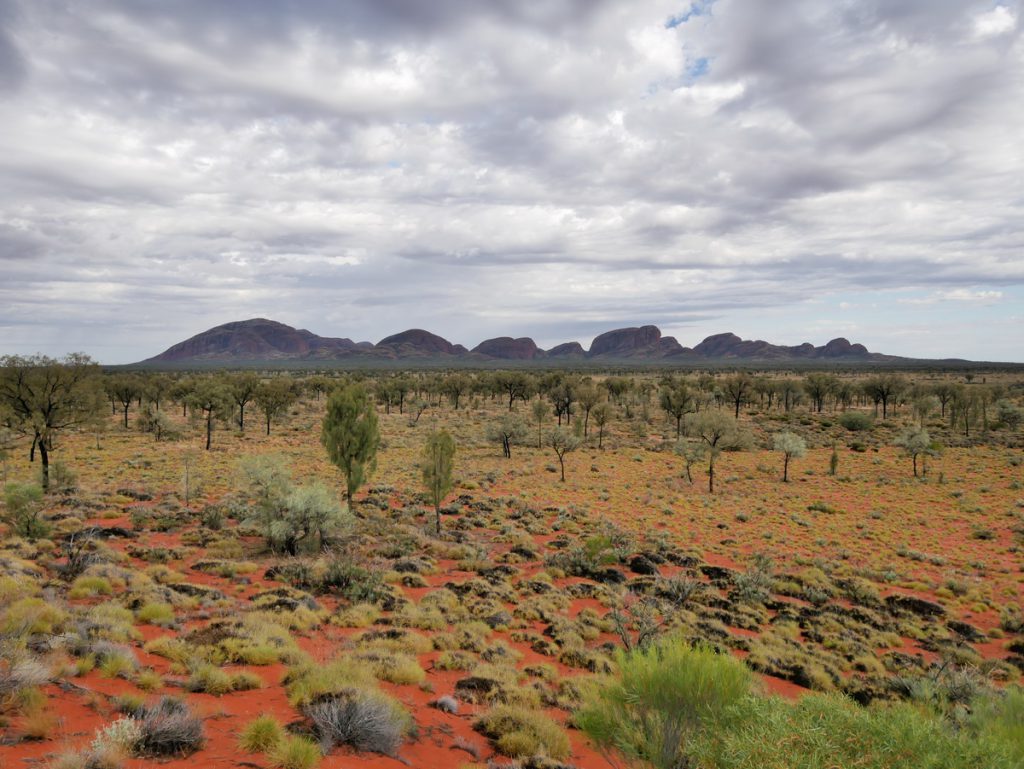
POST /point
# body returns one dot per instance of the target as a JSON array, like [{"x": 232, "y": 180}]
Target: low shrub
[
  {"x": 363, "y": 719},
  {"x": 520, "y": 732},
  {"x": 856, "y": 421},
  {"x": 261, "y": 735},
  {"x": 295, "y": 752},
  {"x": 169, "y": 728}
]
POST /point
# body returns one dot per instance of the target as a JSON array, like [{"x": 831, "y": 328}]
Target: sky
[{"x": 790, "y": 171}]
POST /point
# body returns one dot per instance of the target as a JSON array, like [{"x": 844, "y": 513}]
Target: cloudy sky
[{"x": 791, "y": 171}]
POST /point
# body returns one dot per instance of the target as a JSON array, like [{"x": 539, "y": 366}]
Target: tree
[
  {"x": 738, "y": 389},
  {"x": 515, "y": 384},
  {"x": 562, "y": 396},
  {"x": 319, "y": 384},
  {"x": 924, "y": 406},
  {"x": 180, "y": 391},
  {"x": 587, "y": 396},
  {"x": 562, "y": 442},
  {"x": 242, "y": 389},
  {"x": 540, "y": 412},
  {"x": 884, "y": 389},
  {"x": 45, "y": 395},
  {"x": 212, "y": 400},
  {"x": 915, "y": 443},
  {"x": 818, "y": 387},
  {"x": 833, "y": 460},
  {"x": 692, "y": 452},
  {"x": 717, "y": 431},
  {"x": 602, "y": 413},
  {"x": 438, "y": 462},
  {"x": 677, "y": 401},
  {"x": 350, "y": 433},
  {"x": 124, "y": 389},
  {"x": 152, "y": 420},
  {"x": 155, "y": 387},
  {"x": 6, "y": 444},
  {"x": 455, "y": 386},
  {"x": 24, "y": 506},
  {"x": 617, "y": 386},
  {"x": 791, "y": 445},
  {"x": 274, "y": 397},
  {"x": 1009, "y": 415},
  {"x": 790, "y": 392},
  {"x": 510, "y": 429}
]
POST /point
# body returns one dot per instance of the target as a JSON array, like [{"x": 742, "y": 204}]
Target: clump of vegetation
[
  {"x": 295, "y": 751},
  {"x": 673, "y": 705},
  {"x": 520, "y": 732},
  {"x": 261, "y": 735},
  {"x": 363, "y": 719}
]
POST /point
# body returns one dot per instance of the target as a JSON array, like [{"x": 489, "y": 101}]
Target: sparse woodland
[{"x": 715, "y": 569}]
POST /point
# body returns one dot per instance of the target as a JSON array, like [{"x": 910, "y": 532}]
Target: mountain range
[{"x": 260, "y": 340}]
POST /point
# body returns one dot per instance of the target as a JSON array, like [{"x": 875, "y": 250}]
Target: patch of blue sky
[{"x": 700, "y": 8}]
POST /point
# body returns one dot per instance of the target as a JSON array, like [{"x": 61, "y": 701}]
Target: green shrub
[
  {"x": 856, "y": 421},
  {"x": 295, "y": 752},
  {"x": 999, "y": 718},
  {"x": 87, "y": 587},
  {"x": 664, "y": 693},
  {"x": 156, "y": 614},
  {"x": 826, "y": 731},
  {"x": 23, "y": 503},
  {"x": 211, "y": 680},
  {"x": 521, "y": 732},
  {"x": 261, "y": 735}
]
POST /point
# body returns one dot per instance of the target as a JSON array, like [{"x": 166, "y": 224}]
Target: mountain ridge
[{"x": 262, "y": 339}]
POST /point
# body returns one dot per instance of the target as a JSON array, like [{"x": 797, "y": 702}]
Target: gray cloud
[{"x": 508, "y": 168}]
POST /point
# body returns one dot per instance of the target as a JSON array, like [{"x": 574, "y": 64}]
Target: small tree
[
  {"x": 738, "y": 389},
  {"x": 438, "y": 462},
  {"x": 191, "y": 480},
  {"x": 792, "y": 446},
  {"x": 267, "y": 482},
  {"x": 212, "y": 401},
  {"x": 1009, "y": 415},
  {"x": 587, "y": 396},
  {"x": 677, "y": 401},
  {"x": 152, "y": 420},
  {"x": 309, "y": 511},
  {"x": 915, "y": 443},
  {"x": 351, "y": 435},
  {"x": 509, "y": 430},
  {"x": 833, "y": 461},
  {"x": 717, "y": 431},
  {"x": 455, "y": 386},
  {"x": 692, "y": 452},
  {"x": 601, "y": 414},
  {"x": 274, "y": 397},
  {"x": 24, "y": 510},
  {"x": 124, "y": 389},
  {"x": 562, "y": 442},
  {"x": 540, "y": 412},
  {"x": 242, "y": 389}
]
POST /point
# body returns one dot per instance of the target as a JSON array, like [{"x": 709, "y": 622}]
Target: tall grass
[
  {"x": 673, "y": 706},
  {"x": 664, "y": 694}
]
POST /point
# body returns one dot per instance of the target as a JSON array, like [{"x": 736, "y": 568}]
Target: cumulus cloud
[{"x": 551, "y": 169}]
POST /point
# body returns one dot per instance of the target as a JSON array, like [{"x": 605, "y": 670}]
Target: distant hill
[{"x": 259, "y": 339}]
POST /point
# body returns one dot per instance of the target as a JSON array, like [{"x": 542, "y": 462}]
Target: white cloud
[
  {"x": 999, "y": 21},
  {"x": 472, "y": 167}
]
